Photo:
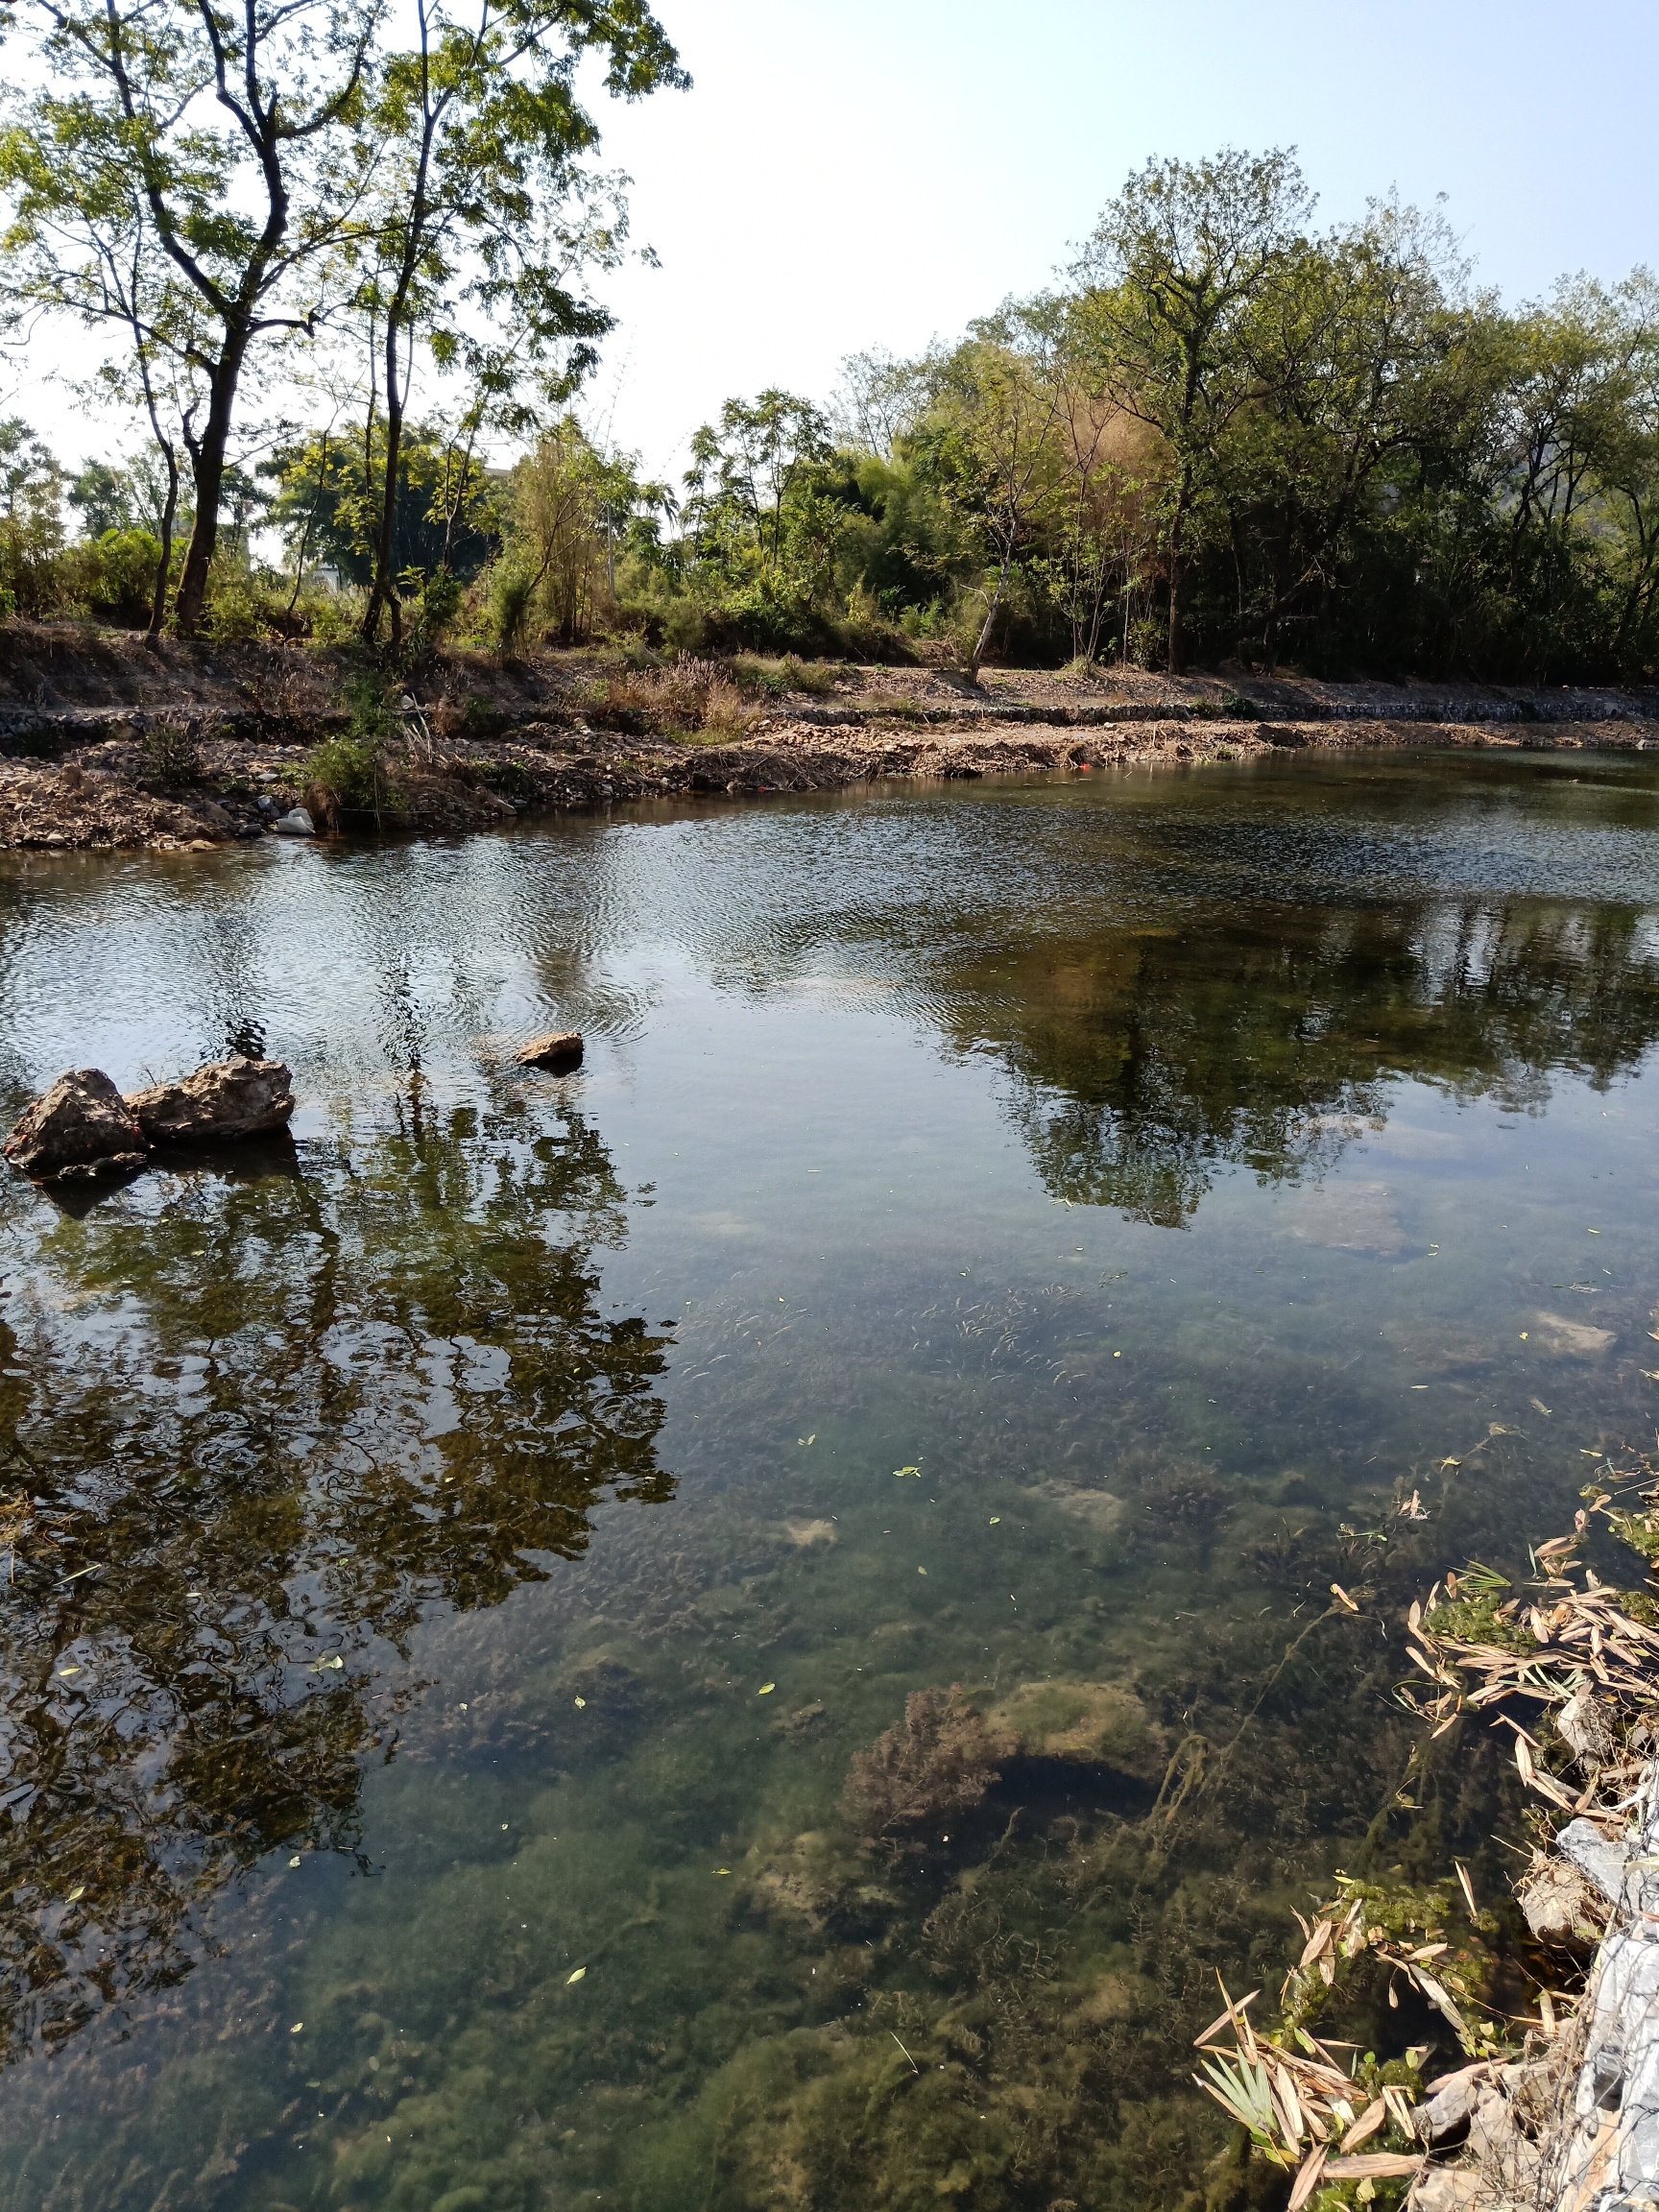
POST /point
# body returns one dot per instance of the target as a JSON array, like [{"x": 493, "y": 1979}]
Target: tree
[
  {"x": 232, "y": 126},
  {"x": 743, "y": 470},
  {"x": 31, "y": 517},
  {"x": 569, "y": 503},
  {"x": 479, "y": 195},
  {"x": 994, "y": 444},
  {"x": 1175, "y": 265},
  {"x": 1362, "y": 362}
]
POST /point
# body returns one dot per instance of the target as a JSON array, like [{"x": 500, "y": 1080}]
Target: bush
[
  {"x": 245, "y": 607},
  {"x": 511, "y": 602},
  {"x": 778, "y": 677},
  {"x": 348, "y": 775},
  {"x": 690, "y": 696},
  {"x": 112, "y": 578},
  {"x": 169, "y": 753}
]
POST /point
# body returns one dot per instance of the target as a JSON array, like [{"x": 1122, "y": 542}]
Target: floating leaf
[
  {"x": 921, "y": 1570},
  {"x": 576, "y": 1977},
  {"x": 580, "y": 1704},
  {"x": 76, "y": 1893},
  {"x": 995, "y": 1518},
  {"x": 298, "y": 2025},
  {"x": 766, "y": 1689},
  {"x": 295, "y": 1861}
]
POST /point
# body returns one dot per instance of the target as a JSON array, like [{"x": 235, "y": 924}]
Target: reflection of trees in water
[
  {"x": 1145, "y": 1058},
  {"x": 252, "y": 1420}
]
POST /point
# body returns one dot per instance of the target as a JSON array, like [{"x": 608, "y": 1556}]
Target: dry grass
[{"x": 692, "y": 698}]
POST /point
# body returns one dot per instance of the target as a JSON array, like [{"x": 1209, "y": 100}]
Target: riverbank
[{"x": 107, "y": 742}]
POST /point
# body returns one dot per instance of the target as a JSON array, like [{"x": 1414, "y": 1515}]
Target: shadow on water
[{"x": 256, "y": 1412}]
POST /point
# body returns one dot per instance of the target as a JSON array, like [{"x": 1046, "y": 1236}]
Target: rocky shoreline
[
  {"x": 99, "y": 798},
  {"x": 87, "y": 721}
]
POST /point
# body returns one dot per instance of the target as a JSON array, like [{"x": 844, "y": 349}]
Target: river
[{"x": 1024, "y": 1243}]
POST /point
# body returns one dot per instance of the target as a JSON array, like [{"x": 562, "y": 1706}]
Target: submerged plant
[{"x": 938, "y": 1762}]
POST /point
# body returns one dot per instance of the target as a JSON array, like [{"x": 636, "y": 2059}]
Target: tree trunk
[
  {"x": 983, "y": 645},
  {"x": 169, "y": 513},
  {"x": 381, "y": 594},
  {"x": 208, "y": 472}
]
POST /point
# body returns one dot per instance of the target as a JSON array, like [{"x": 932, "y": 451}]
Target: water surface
[{"x": 1030, "y": 1236}]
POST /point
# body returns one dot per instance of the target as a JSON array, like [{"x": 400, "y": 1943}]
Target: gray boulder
[
  {"x": 81, "y": 1127},
  {"x": 296, "y": 822},
  {"x": 228, "y": 1099}
]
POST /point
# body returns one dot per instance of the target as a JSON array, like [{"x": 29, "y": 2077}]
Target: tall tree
[
  {"x": 1175, "y": 266},
  {"x": 996, "y": 440},
  {"x": 234, "y": 121},
  {"x": 480, "y": 195}
]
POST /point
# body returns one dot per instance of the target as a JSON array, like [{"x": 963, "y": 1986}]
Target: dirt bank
[{"x": 86, "y": 717}]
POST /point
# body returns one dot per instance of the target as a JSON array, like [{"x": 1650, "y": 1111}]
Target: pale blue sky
[{"x": 877, "y": 171}]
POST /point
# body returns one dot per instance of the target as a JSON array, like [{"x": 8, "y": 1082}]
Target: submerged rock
[
  {"x": 1100, "y": 1723},
  {"x": 228, "y": 1099},
  {"x": 559, "y": 1050},
  {"x": 81, "y": 1127}
]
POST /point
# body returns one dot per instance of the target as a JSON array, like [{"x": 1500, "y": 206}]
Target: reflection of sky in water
[{"x": 1177, "y": 1173}]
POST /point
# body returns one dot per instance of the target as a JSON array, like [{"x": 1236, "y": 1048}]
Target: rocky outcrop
[
  {"x": 558, "y": 1051},
  {"x": 81, "y": 1127},
  {"x": 226, "y": 1099}
]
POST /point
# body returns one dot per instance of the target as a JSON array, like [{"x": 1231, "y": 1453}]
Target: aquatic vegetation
[{"x": 935, "y": 1764}]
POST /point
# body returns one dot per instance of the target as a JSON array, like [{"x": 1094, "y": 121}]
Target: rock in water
[
  {"x": 81, "y": 1127},
  {"x": 559, "y": 1052},
  {"x": 235, "y": 1097},
  {"x": 296, "y": 822}
]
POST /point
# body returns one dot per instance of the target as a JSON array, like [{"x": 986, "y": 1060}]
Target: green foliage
[
  {"x": 112, "y": 577},
  {"x": 326, "y": 498},
  {"x": 170, "y": 755},
  {"x": 349, "y": 770},
  {"x": 31, "y": 524}
]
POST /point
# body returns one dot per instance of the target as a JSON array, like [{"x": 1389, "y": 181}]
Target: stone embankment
[{"x": 107, "y": 742}]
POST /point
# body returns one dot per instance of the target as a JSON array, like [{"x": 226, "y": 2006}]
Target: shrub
[
  {"x": 692, "y": 695},
  {"x": 112, "y": 578},
  {"x": 348, "y": 775},
  {"x": 246, "y": 606},
  {"x": 169, "y": 753},
  {"x": 777, "y": 677},
  {"x": 511, "y": 603}
]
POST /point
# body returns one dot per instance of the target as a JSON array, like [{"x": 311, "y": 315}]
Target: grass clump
[
  {"x": 750, "y": 672},
  {"x": 691, "y": 697}
]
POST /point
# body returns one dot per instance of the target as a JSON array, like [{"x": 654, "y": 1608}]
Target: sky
[{"x": 876, "y": 172}]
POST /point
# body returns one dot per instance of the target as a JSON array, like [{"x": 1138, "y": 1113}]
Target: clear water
[{"x": 454, "y": 1562}]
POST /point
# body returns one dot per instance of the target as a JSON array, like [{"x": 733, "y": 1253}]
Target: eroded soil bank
[{"x": 80, "y": 711}]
